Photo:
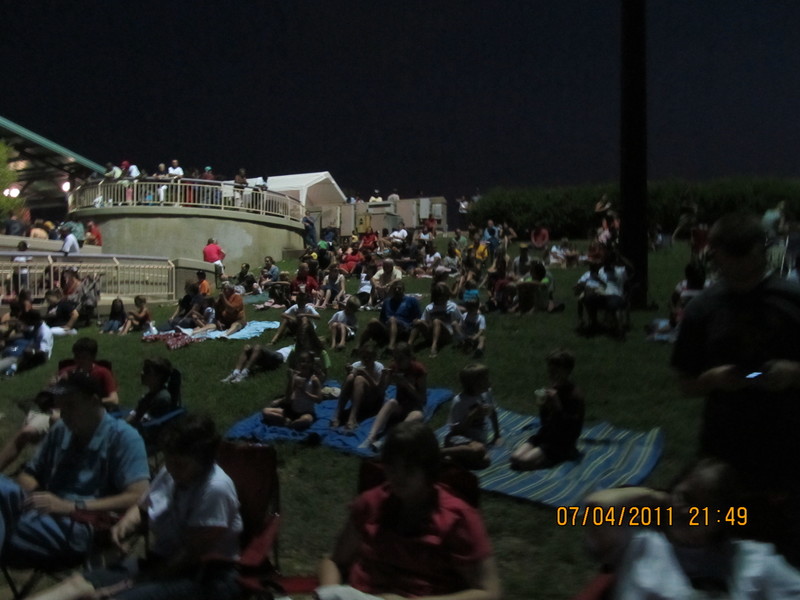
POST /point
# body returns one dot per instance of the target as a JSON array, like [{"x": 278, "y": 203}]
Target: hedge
[{"x": 569, "y": 211}]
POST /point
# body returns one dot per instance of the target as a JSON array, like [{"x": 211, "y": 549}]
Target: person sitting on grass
[
  {"x": 278, "y": 291},
  {"x": 204, "y": 315},
  {"x": 333, "y": 288},
  {"x": 116, "y": 317},
  {"x": 191, "y": 517},
  {"x": 302, "y": 311},
  {"x": 410, "y": 379},
  {"x": 29, "y": 348},
  {"x": 561, "y": 412},
  {"x": 363, "y": 389},
  {"x": 588, "y": 285},
  {"x": 139, "y": 319},
  {"x": 303, "y": 282},
  {"x": 687, "y": 557},
  {"x": 398, "y": 313},
  {"x": 382, "y": 280},
  {"x": 440, "y": 320},
  {"x": 157, "y": 400},
  {"x": 229, "y": 313},
  {"x": 430, "y": 260},
  {"x": 296, "y": 409},
  {"x": 344, "y": 323},
  {"x": 61, "y": 315},
  {"x": 473, "y": 329},
  {"x": 471, "y": 413},
  {"x": 410, "y": 537}
]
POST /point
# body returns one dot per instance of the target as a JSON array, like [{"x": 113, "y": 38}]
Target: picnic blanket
[
  {"x": 610, "y": 457},
  {"x": 253, "y": 428},
  {"x": 251, "y": 330}
]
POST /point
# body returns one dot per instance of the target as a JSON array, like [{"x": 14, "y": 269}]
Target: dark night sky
[{"x": 440, "y": 96}]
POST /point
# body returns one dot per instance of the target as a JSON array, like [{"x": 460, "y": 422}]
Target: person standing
[
  {"x": 213, "y": 253},
  {"x": 737, "y": 348}
]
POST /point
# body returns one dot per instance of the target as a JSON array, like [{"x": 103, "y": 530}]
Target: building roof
[
  {"x": 42, "y": 165},
  {"x": 308, "y": 188}
]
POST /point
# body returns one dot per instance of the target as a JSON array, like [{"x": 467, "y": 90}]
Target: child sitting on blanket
[
  {"x": 471, "y": 412},
  {"x": 561, "y": 411},
  {"x": 344, "y": 323},
  {"x": 410, "y": 380},
  {"x": 303, "y": 391},
  {"x": 363, "y": 388}
]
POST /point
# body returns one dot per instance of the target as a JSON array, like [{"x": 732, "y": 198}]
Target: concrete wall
[{"x": 179, "y": 232}]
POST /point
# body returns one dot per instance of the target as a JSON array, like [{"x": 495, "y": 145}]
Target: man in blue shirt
[
  {"x": 88, "y": 461},
  {"x": 398, "y": 313}
]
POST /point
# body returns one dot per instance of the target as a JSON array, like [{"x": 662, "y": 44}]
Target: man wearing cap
[{"x": 89, "y": 461}]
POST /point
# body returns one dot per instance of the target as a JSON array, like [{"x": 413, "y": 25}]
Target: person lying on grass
[{"x": 410, "y": 537}]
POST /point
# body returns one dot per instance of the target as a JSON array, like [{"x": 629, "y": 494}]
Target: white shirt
[
  {"x": 615, "y": 281},
  {"x": 340, "y": 316},
  {"x": 43, "y": 340},
  {"x": 211, "y": 502},
  {"x": 400, "y": 234},
  {"x": 71, "y": 245},
  {"x": 375, "y": 373},
  {"x": 175, "y": 171}
]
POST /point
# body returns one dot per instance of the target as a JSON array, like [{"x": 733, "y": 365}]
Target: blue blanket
[
  {"x": 609, "y": 457},
  {"x": 253, "y": 428},
  {"x": 251, "y": 330}
]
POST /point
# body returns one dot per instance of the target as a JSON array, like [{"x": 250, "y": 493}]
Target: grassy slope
[{"x": 628, "y": 383}]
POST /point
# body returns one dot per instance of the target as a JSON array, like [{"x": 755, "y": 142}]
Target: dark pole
[{"x": 633, "y": 145}]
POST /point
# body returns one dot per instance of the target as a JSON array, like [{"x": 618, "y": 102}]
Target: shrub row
[{"x": 569, "y": 211}]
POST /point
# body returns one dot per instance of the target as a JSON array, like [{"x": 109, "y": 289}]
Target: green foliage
[
  {"x": 569, "y": 211},
  {"x": 7, "y": 177}
]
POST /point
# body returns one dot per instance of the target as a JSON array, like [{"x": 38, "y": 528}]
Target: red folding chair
[{"x": 254, "y": 471}]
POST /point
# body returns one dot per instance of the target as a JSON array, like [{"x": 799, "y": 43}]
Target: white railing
[
  {"x": 151, "y": 277},
  {"x": 191, "y": 193}
]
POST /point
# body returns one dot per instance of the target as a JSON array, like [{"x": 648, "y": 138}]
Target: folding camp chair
[
  {"x": 254, "y": 471},
  {"x": 101, "y": 522}
]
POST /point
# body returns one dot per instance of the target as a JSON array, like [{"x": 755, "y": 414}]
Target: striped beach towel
[{"x": 609, "y": 457}]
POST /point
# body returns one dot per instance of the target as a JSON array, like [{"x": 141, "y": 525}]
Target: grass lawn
[{"x": 628, "y": 383}]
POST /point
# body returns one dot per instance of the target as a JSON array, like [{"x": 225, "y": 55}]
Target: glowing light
[
  {"x": 66, "y": 186},
  {"x": 13, "y": 192}
]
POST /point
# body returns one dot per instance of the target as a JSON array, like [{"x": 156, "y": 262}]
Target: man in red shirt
[
  {"x": 84, "y": 354},
  {"x": 212, "y": 253}
]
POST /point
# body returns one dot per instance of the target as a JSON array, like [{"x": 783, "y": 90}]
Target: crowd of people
[{"x": 733, "y": 335}]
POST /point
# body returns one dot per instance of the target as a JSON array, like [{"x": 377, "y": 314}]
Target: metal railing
[
  {"x": 192, "y": 193},
  {"x": 152, "y": 277}
]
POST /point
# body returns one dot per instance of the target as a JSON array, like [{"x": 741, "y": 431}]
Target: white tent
[{"x": 311, "y": 189}]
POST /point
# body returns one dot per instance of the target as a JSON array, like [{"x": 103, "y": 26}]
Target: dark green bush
[{"x": 569, "y": 211}]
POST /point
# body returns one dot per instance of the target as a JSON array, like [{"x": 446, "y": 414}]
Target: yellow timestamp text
[{"x": 618, "y": 516}]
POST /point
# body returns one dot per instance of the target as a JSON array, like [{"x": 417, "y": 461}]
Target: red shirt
[
  {"x": 212, "y": 253},
  {"x": 414, "y": 373},
  {"x": 310, "y": 283},
  {"x": 421, "y": 563},
  {"x": 99, "y": 373}
]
